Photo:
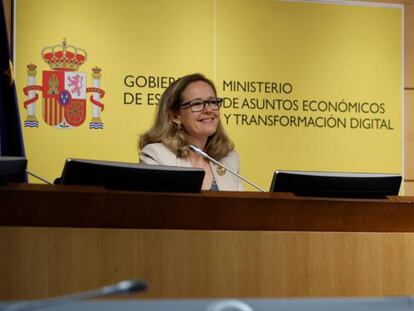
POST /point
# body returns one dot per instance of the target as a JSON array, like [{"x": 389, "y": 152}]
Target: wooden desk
[{"x": 56, "y": 240}]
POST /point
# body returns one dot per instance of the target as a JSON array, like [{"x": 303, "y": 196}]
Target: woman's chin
[{"x": 202, "y": 136}]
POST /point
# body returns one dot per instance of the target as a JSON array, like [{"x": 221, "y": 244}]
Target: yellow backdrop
[{"x": 307, "y": 85}]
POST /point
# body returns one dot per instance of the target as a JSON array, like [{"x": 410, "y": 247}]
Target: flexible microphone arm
[
  {"x": 205, "y": 155},
  {"x": 123, "y": 287},
  {"x": 39, "y": 177}
]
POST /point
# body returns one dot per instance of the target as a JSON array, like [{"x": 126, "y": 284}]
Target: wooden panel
[
  {"x": 409, "y": 44},
  {"x": 94, "y": 207},
  {"x": 42, "y": 262},
  {"x": 409, "y": 135},
  {"x": 409, "y": 187}
]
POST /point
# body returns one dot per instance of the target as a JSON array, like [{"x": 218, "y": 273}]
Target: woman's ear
[{"x": 175, "y": 117}]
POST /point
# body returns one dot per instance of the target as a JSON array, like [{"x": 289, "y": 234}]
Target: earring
[{"x": 179, "y": 126}]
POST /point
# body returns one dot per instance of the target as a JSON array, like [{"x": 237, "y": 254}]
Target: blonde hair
[{"x": 165, "y": 131}]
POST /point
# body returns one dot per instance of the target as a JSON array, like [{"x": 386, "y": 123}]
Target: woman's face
[{"x": 199, "y": 125}]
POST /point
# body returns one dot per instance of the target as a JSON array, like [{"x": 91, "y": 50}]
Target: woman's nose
[{"x": 207, "y": 107}]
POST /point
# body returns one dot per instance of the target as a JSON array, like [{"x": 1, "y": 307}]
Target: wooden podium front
[{"x": 56, "y": 240}]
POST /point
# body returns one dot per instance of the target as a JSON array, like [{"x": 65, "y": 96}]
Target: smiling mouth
[{"x": 207, "y": 120}]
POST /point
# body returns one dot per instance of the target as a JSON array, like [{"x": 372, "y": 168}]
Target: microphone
[
  {"x": 205, "y": 155},
  {"x": 123, "y": 287}
]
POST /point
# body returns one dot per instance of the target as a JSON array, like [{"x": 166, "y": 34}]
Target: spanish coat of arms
[{"x": 64, "y": 90}]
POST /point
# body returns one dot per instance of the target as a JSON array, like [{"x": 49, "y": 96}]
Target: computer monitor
[
  {"x": 131, "y": 176},
  {"x": 12, "y": 170},
  {"x": 341, "y": 185}
]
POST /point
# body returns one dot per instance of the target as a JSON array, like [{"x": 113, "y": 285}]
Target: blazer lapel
[{"x": 222, "y": 176}]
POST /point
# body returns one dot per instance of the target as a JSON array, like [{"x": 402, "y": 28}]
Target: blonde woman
[{"x": 189, "y": 113}]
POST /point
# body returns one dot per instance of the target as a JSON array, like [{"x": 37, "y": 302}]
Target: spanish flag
[{"x": 11, "y": 138}]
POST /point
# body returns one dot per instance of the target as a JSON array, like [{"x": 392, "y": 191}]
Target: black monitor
[
  {"x": 340, "y": 185},
  {"x": 12, "y": 170},
  {"x": 131, "y": 176}
]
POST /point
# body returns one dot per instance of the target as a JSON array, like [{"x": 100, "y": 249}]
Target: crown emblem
[
  {"x": 64, "y": 57},
  {"x": 63, "y": 89}
]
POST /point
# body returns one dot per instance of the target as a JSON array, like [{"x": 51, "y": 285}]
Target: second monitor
[{"x": 341, "y": 185}]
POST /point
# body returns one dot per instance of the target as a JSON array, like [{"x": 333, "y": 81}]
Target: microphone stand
[
  {"x": 39, "y": 177},
  {"x": 123, "y": 287},
  {"x": 205, "y": 155}
]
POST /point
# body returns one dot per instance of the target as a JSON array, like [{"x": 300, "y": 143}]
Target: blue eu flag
[{"x": 11, "y": 138}]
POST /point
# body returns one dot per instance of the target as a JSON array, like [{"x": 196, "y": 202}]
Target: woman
[{"x": 189, "y": 114}]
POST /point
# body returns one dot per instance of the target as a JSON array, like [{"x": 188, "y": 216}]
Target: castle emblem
[{"x": 63, "y": 90}]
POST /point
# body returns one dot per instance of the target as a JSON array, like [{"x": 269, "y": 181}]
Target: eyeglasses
[{"x": 198, "y": 105}]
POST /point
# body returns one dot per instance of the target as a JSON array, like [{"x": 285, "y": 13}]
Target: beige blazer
[{"x": 159, "y": 154}]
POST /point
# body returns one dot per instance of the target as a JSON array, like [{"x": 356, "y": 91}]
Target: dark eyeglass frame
[{"x": 218, "y": 101}]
